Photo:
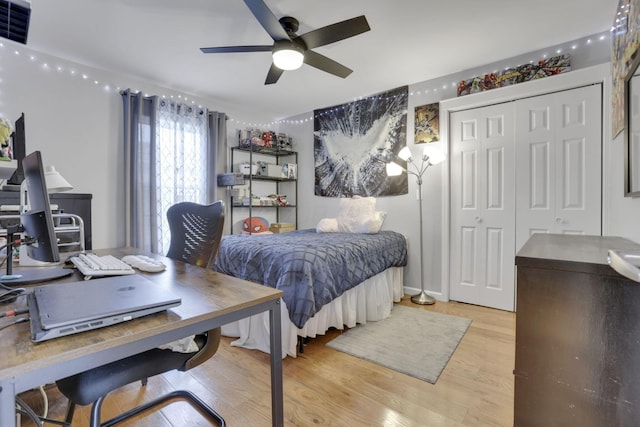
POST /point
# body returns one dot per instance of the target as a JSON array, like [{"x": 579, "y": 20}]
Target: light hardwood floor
[{"x": 324, "y": 387}]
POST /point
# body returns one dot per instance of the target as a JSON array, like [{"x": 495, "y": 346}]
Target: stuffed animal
[
  {"x": 268, "y": 138},
  {"x": 255, "y": 224},
  {"x": 6, "y": 129}
]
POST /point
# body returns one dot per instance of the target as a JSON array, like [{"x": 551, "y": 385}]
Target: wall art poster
[
  {"x": 427, "y": 123},
  {"x": 522, "y": 73},
  {"x": 354, "y": 141},
  {"x": 626, "y": 40}
]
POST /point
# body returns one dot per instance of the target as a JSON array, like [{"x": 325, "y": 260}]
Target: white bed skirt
[{"x": 371, "y": 300}]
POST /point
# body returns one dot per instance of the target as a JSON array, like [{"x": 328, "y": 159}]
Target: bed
[{"x": 328, "y": 279}]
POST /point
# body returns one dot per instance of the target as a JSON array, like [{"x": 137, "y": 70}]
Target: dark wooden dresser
[{"x": 577, "y": 335}]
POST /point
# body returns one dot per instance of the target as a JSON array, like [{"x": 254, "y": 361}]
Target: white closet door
[
  {"x": 558, "y": 157},
  {"x": 483, "y": 206},
  {"x": 525, "y": 167}
]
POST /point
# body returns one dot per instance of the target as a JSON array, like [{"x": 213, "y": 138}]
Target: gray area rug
[{"x": 413, "y": 341}]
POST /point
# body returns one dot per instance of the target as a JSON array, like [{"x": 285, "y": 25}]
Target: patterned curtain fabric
[{"x": 171, "y": 154}]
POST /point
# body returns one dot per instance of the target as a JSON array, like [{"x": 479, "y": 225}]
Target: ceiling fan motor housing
[{"x": 290, "y": 24}]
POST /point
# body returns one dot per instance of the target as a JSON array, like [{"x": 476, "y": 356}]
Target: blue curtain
[{"x": 171, "y": 155}]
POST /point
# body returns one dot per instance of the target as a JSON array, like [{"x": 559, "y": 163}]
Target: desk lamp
[
  {"x": 55, "y": 182},
  {"x": 430, "y": 156}
]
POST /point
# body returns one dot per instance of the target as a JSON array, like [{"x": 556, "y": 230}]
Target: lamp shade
[
  {"x": 394, "y": 169},
  {"x": 287, "y": 55},
  {"x": 435, "y": 155},
  {"x": 405, "y": 154},
  {"x": 55, "y": 182}
]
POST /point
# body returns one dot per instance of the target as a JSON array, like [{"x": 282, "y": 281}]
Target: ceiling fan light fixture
[{"x": 287, "y": 56}]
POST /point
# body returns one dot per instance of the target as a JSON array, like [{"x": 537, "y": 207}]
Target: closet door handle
[
  {"x": 478, "y": 219},
  {"x": 559, "y": 220}
]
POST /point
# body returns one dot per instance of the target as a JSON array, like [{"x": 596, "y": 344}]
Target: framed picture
[
  {"x": 626, "y": 41},
  {"x": 427, "y": 123},
  {"x": 292, "y": 171}
]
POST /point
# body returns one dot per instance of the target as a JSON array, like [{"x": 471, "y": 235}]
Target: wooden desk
[{"x": 209, "y": 300}]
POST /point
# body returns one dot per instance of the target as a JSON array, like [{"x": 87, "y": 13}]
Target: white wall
[
  {"x": 623, "y": 212},
  {"x": 76, "y": 124}
]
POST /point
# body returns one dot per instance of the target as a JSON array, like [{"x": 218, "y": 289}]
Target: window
[{"x": 181, "y": 160}]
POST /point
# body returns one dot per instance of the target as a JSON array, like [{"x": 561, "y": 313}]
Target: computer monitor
[
  {"x": 38, "y": 228},
  {"x": 38, "y": 220},
  {"x": 18, "y": 151}
]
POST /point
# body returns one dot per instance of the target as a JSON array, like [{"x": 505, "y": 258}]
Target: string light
[{"x": 418, "y": 92}]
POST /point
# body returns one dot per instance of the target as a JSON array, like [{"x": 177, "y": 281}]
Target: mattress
[{"x": 312, "y": 269}]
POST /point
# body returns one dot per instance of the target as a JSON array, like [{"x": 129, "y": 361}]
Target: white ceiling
[{"x": 410, "y": 41}]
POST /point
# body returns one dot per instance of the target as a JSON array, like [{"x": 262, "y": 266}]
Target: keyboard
[{"x": 92, "y": 265}]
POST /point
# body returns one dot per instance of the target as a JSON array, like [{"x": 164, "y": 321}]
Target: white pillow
[
  {"x": 358, "y": 215},
  {"x": 372, "y": 226},
  {"x": 327, "y": 225},
  {"x": 354, "y": 212}
]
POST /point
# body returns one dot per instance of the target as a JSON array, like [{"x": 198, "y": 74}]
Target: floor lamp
[{"x": 430, "y": 156}]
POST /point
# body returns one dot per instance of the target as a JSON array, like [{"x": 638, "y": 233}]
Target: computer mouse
[{"x": 144, "y": 263}]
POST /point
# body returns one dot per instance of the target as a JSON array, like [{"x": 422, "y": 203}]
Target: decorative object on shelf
[
  {"x": 276, "y": 171},
  {"x": 251, "y": 200},
  {"x": 255, "y": 225},
  {"x": 430, "y": 156},
  {"x": 290, "y": 170},
  {"x": 267, "y": 138},
  {"x": 258, "y": 139},
  {"x": 249, "y": 137},
  {"x": 284, "y": 141},
  {"x": 262, "y": 168},
  {"x": 6, "y": 130},
  {"x": 522, "y": 73},
  {"x": 247, "y": 169},
  {"x": 271, "y": 170},
  {"x": 427, "y": 123},
  {"x": 230, "y": 179},
  {"x": 274, "y": 200},
  {"x": 281, "y": 227}
]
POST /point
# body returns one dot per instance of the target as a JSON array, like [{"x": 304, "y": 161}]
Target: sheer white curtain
[
  {"x": 181, "y": 159},
  {"x": 171, "y": 154}
]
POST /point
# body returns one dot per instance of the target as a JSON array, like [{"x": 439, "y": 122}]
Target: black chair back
[{"x": 195, "y": 232}]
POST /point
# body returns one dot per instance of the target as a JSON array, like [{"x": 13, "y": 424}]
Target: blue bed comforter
[{"x": 310, "y": 268}]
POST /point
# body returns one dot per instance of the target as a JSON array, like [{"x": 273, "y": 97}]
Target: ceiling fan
[{"x": 290, "y": 50}]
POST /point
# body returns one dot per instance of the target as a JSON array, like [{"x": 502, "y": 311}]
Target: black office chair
[
  {"x": 195, "y": 232},
  {"x": 195, "y": 238}
]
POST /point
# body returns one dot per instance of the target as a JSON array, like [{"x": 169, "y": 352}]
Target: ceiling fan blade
[
  {"x": 328, "y": 65},
  {"x": 232, "y": 49},
  {"x": 335, "y": 32},
  {"x": 273, "y": 75},
  {"x": 267, "y": 19}
]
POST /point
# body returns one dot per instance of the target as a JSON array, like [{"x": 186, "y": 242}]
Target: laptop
[{"x": 63, "y": 309}]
